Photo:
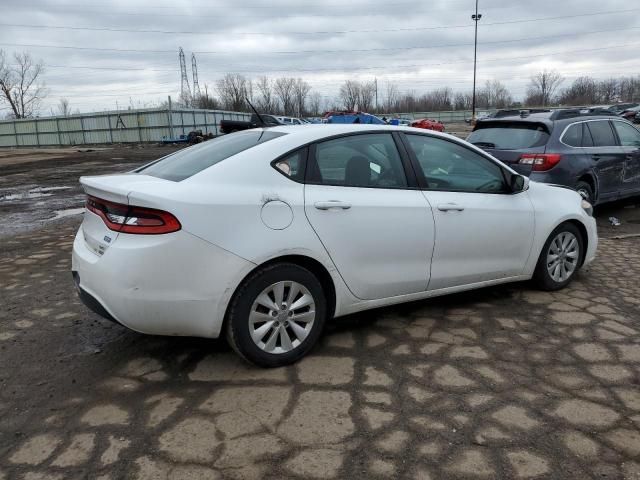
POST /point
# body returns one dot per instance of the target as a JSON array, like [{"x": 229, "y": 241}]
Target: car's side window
[
  {"x": 629, "y": 136},
  {"x": 573, "y": 135},
  {"x": 452, "y": 167},
  {"x": 602, "y": 134},
  {"x": 577, "y": 135},
  {"x": 292, "y": 165},
  {"x": 370, "y": 160}
]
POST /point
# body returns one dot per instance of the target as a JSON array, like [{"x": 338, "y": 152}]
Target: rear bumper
[
  {"x": 174, "y": 284},
  {"x": 89, "y": 301}
]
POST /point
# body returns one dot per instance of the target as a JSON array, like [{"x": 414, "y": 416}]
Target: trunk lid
[{"x": 116, "y": 189}]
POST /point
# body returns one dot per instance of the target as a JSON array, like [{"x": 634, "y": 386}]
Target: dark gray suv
[{"x": 590, "y": 150}]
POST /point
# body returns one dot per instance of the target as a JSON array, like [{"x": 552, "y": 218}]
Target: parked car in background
[
  {"x": 428, "y": 124},
  {"x": 620, "y": 107},
  {"x": 264, "y": 235},
  {"x": 230, "y": 126},
  {"x": 630, "y": 113},
  {"x": 589, "y": 150},
  {"x": 292, "y": 121},
  {"x": 352, "y": 117}
]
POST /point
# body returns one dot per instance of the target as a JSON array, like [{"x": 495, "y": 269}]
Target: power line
[
  {"x": 320, "y": 32},
  {"x": 262, "y": 69},
  {"x": 290, "y": 52}
]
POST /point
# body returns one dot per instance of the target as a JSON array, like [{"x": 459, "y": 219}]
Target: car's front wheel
[
  {"x": 277, "y": 315},
  {"x": 560, "y": 258}
]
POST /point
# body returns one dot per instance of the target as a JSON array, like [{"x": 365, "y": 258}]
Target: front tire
[
  {"x": 560, "y": 258},
  {"x": 277, "y": 315}
]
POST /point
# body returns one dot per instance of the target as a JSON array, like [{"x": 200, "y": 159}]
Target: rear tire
[
  {"x": 586, "y": 191},
  {"x": 277, "y": 315},
  {"x": 560, "y": 258}
]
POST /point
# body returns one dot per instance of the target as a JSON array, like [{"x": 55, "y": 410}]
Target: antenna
[
  {"x": 194, "y": 72},
  {"x": 256, "y": 112},
  {"x": 185, "y": 92}
]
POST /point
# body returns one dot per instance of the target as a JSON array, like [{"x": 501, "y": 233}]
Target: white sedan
[{"x": 265, "y": 234}]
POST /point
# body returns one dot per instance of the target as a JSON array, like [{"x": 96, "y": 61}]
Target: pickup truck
[{"x": 230, "y": 126}]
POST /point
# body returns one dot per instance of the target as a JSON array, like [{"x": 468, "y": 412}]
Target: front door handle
[
  {"x": 332, "y": 204},
  {"x": 445, "y": 207},
  {"x": 595, "y": 157}
]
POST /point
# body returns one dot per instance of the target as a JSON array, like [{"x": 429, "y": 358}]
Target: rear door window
[
  {"x": 602, "y": 134},
  {"x": 370, "y": 160},
  {"x": 188, "y": 162},
  {"x": 509, "y": 136}
]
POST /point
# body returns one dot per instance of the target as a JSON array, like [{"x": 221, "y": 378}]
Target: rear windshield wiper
[{"x": 485, "y": 144}]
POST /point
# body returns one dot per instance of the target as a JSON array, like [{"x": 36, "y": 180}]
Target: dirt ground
[{"x": 505, "y": 382}]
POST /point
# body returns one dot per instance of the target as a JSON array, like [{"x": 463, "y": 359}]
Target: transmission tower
[
  {"x": 185, "y": 91},
  {"x": 194, "y": 72}
]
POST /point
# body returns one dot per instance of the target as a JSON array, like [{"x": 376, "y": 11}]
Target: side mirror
[{"x": 519, "y": 183}]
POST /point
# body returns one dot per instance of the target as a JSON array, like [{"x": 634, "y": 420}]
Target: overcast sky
[{"x": 121, "y": 49}]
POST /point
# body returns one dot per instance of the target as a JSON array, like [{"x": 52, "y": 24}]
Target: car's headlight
[{"x": 587, "y": 207}]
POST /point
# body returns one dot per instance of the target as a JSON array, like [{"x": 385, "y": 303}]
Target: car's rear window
[
  {"x": 188, "y": 162},
  {"x": 509, "y": 136}
]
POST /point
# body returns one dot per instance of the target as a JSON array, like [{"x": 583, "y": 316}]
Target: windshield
[
  {"x": 509, "y": 136},
  {"x": 190, "y": 161}
]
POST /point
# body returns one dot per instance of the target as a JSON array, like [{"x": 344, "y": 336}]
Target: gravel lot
[{"x": 506, "y": 382}]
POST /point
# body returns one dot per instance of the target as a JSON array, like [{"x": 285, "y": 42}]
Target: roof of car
[
  {"x": 321, "y": 130},
  {"x": 550, "y": 117}
]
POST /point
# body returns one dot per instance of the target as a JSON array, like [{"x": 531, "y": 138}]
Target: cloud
[{"x": 418, "y": 45}]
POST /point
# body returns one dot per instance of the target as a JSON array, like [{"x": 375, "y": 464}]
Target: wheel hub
[
  {"x": 281, "y": 317},
  {"x": 562, "y": 256}
]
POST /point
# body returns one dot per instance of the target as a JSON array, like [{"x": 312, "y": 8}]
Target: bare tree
[
  {"x": 497, "y": 94},
  {"x": 266, "y": 100},
  {"x": 608, "y": 91},
  {"x": 367, "y": 96},
  {"x": 542, "y": 87},
  {"x": 462, "y": 101},
  {"x": 315, "y": 104},
  {"x": 285, "y": 91},
  {"x": 391, "y": 97},
  {"x": 64, "y": 108},
  {"x": 20, "y": 84},
  {"x": 583, "y": 90},
  {"x": 205, "y": 100},
  {"x": 233, "y": 89},
  {"x": 630, "y": 89},
  {"x": 301, "y": 90},
  {"x": 350, "y": 94}
]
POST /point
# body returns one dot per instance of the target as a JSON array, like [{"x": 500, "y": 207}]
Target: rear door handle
[
  {"x": 332, "y": 204},
  {"x": 445, "y": 207},
  {"x": 595, "y": 157}
]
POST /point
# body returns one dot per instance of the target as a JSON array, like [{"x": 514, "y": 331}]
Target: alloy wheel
[
  {"x": 282, "y": 317},
  {"x": 562, "y": 257}
]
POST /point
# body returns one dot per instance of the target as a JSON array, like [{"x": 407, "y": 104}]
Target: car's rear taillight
[
  {"x": 540, "y": 161},
  {"x": 132, "y": 219}
]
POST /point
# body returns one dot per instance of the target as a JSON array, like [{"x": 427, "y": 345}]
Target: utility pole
[
  {"x": 475, "y": 18},
  {"x": 376, "y": 82}
]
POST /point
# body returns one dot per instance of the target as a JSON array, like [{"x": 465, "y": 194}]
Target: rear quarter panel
[{"x": 223, "y": 206}]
